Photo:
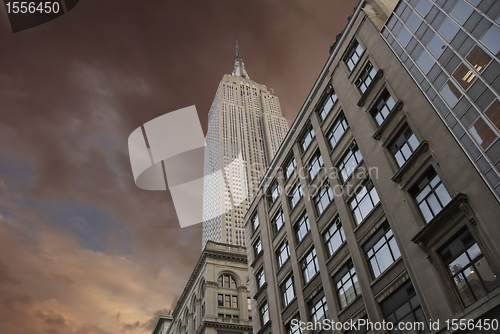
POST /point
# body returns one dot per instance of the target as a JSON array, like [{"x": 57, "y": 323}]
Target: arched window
[{"x": 226, "y": 281}]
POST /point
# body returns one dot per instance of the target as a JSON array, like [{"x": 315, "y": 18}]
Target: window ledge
[
  {"x": 262, "y": 288},
  {"x": 382, "y": 274},
  {"x": 368, "y": 90},
  {"x": 423, "y": 147},
  {"x": 383, "y": 126},
  {"x": 266, "y": 326},
  {"x": 256, "y": 259},
  {"x": 343, "y": 310},
  {"x": 459, "y": 202}
]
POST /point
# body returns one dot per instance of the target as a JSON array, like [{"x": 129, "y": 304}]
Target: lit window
[
  {"x": 383, "y": 107},
  {"x": 295, "y": 195},
  {"x": 430, "y": 194},
  {"x": 323, "y": 198},
  {"x": 346, "y": 285},
  {"x": 282, "y": 253},
  {"x": 318, "y": 308},
  {"x": 334, "y": 237},
  {"x": 261, "y": 279},
  {"x": 302, "y": 227},
  {"x": 264, "y": 314},
  {"x": 381, "y": 250},
  {"x": 349, "y": 162},
  {"x": 403, "y": 306},
  {"x": 288, "y": 291},
  {"x": 478, "y": 58},
  {"x": 337, "y": 130},
  {"x": 327, "y": 104},
  {"x": 366, "y": 77},
  {"x": 354, "y": 55},
  {"x": 309, "y": 265},
  {"x": 314, "y": 165},
  {"x": 278, "y": 221},
  {"x": 471, "y": 273},
  {"x": 365, "y": 200},
  {"x": 307, "y": 138},
  {"x": 404, "y": 146}
]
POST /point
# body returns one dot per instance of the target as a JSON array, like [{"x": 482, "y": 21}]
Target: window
[
  {"x": 309, "y": 265},
  {"x": 383, "y": 107},
  {"x": 469, "y": 270},
  {"x": 478, "y": 58},
  {"x": 349, "y": 162},
  {"x": 227, "y": 301},
  {"x": 354, "y": 55},
  {"x": 315, "y": 165},
  {"x": 257, "y": 247},
  {"x": 307, "y": 138},
  {"x": 288, "y": 291},
  {"x": 249, "y": 304},
  {"x": 278, "y": 221},
  {"x": 430, "y": 194},
  {"x": 290, "y": 167},
  {"x": 220, "y": 300},
  {"x": 291, "y": 329},
  {"x": 404, "y": 145},
  {"x": 264, "y": 314},
  {"x": 261, "y": 279},
  {"x": 302, "y": 227},
  {"x": 346, "y": 285},
  {"x": 318, "y": 308},
  {"x": 337, "y": 130},
  {"x": 234, "y": 302},
  {"x": 323, "y": 198},
  {"x": 295, "y": 195},
  {"x": 282, "y": 253},
  {"x": 255, "y": 222},
  {"x": 274, "y": 192},
  {"x": 365, "y": 200},
  {"x": 366, "y": 77},
  {"x": 226, "y": 281},
  {"x": 381, "y": 250},
  {"x": 403, "y": 306},
  {"x": 327, "y": 104},
  {"x": 334, "y": 237}
]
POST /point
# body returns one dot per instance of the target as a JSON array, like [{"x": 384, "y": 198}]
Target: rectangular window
[
  {"x": 383, "y": 107},
  {"x": 327, "y": 104},
  {"x": 282, "y": 253},
  {"x": 404, "y": 145},
  {"x": 381, "y": 250},
  {"x": 257, "y": 247},
  {"x": 291, "y": 329},
  {"x": 234, "y": 303},
  {"x": 430, "y": 194},
  {"x": 363, "y": 203},
  {"x": 334, "y": 237},
  {"x": 469, "y": 270},
  {"x": 255, "y": 222},
  {"x": 314, "y": 165},
  {"x": 264, "y": 314},
  {"x": 309, "y": 265},
  {"x": 354, "y": 55},
  {"x": 274, "y": 192},
  {"x": 249, "y": 304},
  {"x": 261, "y": 279},
  {"x": 288, "y": 291},
  {"x": 290, "y": 167},
  {"x": 307, "y": 138},
  {"x": 278, "y": 221},
  {"x": 366, "y": 77},
  {"x": 346, "y": 285},
  {"x": 323, "y": 198},
  {"x": 318, "y": 308},
  {"x": 403, "y": 306},
  {"x": 349, "y": 162},
  {"x": 295, "y": 195},
  {"x": 227, "y": 302},
  {"x": 220, "y": 299},
  {"x": 302, "y": 227},
  {"x": 337, "y": 130}
]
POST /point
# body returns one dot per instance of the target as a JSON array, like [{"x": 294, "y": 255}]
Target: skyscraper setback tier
[{"x": 245, "y": 130}]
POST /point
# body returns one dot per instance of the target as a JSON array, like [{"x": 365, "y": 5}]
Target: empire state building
[{"x": 245, "y": 130}]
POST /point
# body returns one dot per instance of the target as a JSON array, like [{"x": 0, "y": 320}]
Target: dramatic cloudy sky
[{"x": 82, "y": 250}]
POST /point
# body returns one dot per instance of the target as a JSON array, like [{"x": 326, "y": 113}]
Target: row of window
[{"x": 227, "y": 300}]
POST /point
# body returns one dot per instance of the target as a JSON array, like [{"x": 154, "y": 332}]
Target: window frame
[
  {"x": 292, "y": 200},
  {"x": 254, "y": 246},
  {"x": 367, "y": 183},
  {"x": 348, "y": 271},
  {"x": 298, "y": 227},
  {"x": 329, "y": 100},
  {"x": 283, "y": 248},
  {"x": 286, "y": 169},
  {"x": 260, "y": 278},
  {"x": 274, "y": 221},
  {"x": 305, "y": 263},
  {"x": 381, "y": 104},
  {"x": 384, "y": 232},
  {"x": 352, "y": 152},
  {"x": 317, "y": 157},
  {"x": 325, "y": 190},
  {"x": 339, "y": 123},
  {"x": 328, "y": 236},
  {"x": 353, "y": 50},
  {"x": 368, "y": 72},
  {"x": 308, "y": 133},
  {"x": 287, "y": 285},
  {"x": 402, "y": 140}
]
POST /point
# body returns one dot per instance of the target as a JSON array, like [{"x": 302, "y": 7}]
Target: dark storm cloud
[{"x": 71, "y": 91}]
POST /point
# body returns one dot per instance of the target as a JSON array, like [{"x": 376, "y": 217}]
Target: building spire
[{"x": 239, "y": 65}]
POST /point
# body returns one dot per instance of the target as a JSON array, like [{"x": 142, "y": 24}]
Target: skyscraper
[{"x": 245, "y": 130}]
